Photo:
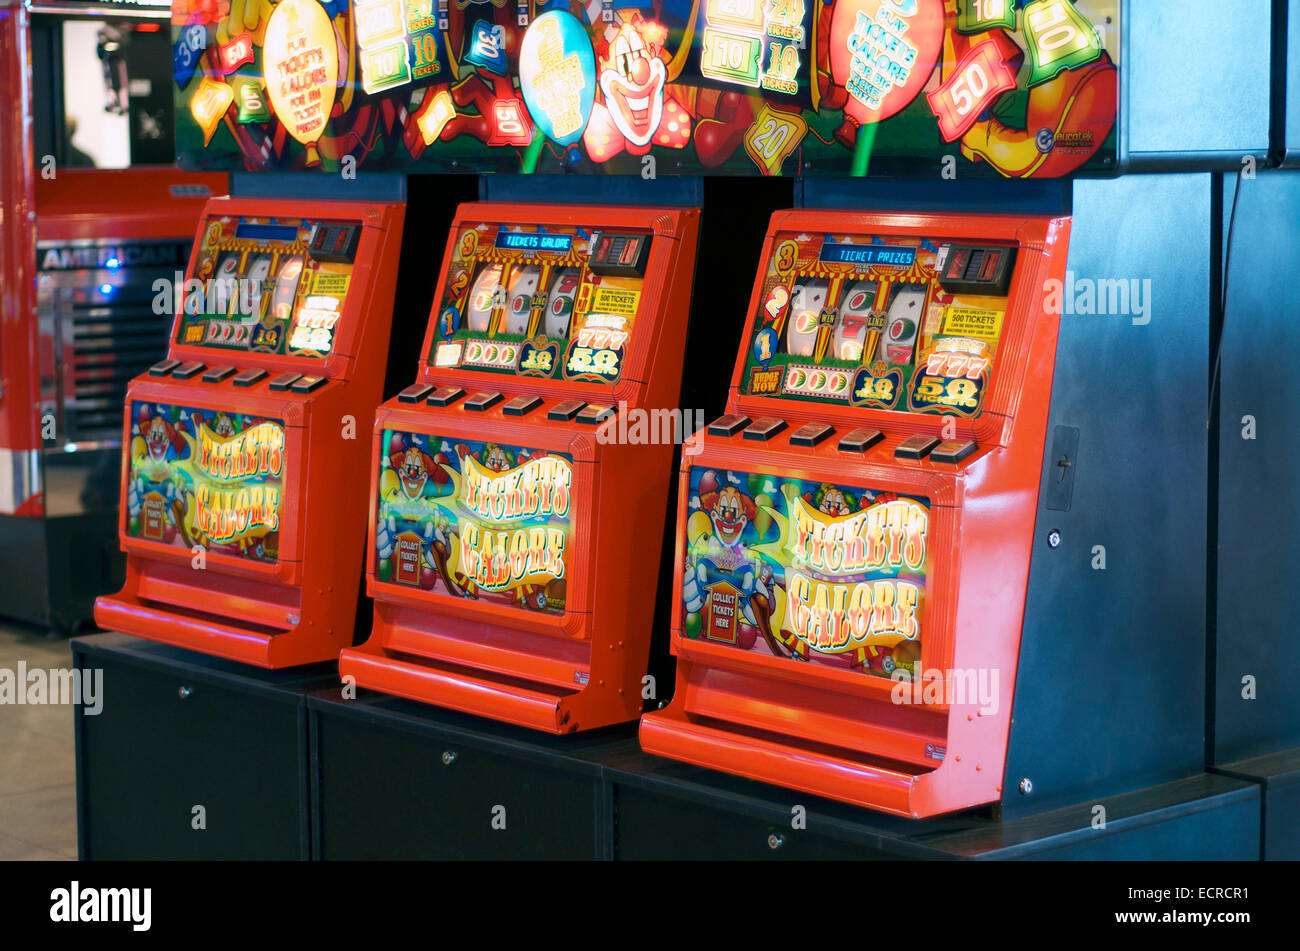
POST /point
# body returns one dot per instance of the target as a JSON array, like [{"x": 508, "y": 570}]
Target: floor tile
[
  {"x": 43, "y": 817},
  {"x": 16, "y": 850},
  {"x": 33, "y": 760}
]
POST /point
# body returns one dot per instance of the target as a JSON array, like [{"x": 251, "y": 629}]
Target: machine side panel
[
  {"x": 1111, "y": 685},
  {"x": 1259, "y": 493}
]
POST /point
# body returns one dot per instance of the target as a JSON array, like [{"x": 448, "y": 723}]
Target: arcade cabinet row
[{"x": 853, "y": 535}]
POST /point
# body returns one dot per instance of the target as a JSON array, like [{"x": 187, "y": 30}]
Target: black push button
[
  {"x": 521, "y": 405},
  {"x": 593, "y": 413},
  {"x": 284, "y": 381},
  {"x": 764, "y": 429},
  {"x": 249, "y": 377},
  {"x": 483, "y": 400},
  {"x": 953, "y": 451},
  {"x": 860, "y": 440},
  {"x": 728, "y": 425},
  {"x": 915, "y": 447},
  {"x": 415, "y": 392},
  {"x": 810, "y": 434},
  {"x": 187, "y": 370},
  {"x": 163, "y": 367},
  {"x": 445, "y": 396},
  {"x": 563, "y": 412},
  {"x": 217, "y": 374},
  {"x": 308, "y": 383}
]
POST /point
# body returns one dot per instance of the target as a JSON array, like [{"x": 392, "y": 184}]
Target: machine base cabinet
[
  {"x": 285, "y": 767},
  {"x": 191, "y": 757},
  {"x": 392, "y": 779}
]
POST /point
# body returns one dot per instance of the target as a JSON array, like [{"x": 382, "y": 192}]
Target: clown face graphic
[
  {"x": 851, "y": 326},
  {"x": 523, "y": 285},
  {"x": 902, "y": 321},
  {"x": 223, "y": 425},
  {"x": 483, "y": 298},
  {"x": 806, "y": 303},
  {"x": 559, "y": 306},
  {"x": 413, "y": 472},
  {"x": 633, "y": 83},
  {"x": 157, "y": 438},
  {"x": 834, "y": 502},
  {"x": 729, "y": 518},
  {"x": 495, "y": 458}
]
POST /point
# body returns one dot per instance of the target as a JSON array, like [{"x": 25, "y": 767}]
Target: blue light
[
  {"x": 106, "y": 288},
  {"x": 112, "y": 264}
]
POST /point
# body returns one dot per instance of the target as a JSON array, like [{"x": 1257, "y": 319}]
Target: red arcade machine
[
  {"x": 515, "y": 511},
  {"x": 276, "y": 364},
  {"x": 853, "y": 539}
]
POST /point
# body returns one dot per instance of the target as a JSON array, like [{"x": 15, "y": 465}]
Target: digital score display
[
  {"x": 269, "y": 286},
  {"x": 534, "y": 241},
  {"x": 552, "y": 303},
  {"x": 806, "y": 571},
  {"x": 911, "y": 325},
  {"x": 473, "y": 519},
  {"x": 205, "y": 477}
]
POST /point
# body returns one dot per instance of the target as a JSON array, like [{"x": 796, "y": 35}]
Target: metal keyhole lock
[{"x": 448, "y": 757}]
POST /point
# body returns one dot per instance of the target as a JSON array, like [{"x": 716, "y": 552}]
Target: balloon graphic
[
  {"x": 762, "y": 520},
  {"x": 301, "y": 61},
  {"x": 882, "y": 52},
  {"x": 557, "y": 73}
]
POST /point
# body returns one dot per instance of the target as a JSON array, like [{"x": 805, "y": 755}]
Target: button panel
[
  {"x": 217, "y": 374},
  {"x": 764, "y": 429},
  {"x": 860, "y": 440},
  {"x": 953, "y": 452},
  {"x": 482, "y": 400},
  {"x": 284, "y": 381},
  {"x": 250, "y": 376},
  {"x": 728, "y": 425},
  {"x": 164, "y": 367},
  {"x": 307, "y": 383},
  {"x": 521, "y": 405},
  {"x": 563, "y": 412},
  {"x": 415, "y": 392},
  {"x": 187, "y": 370},
  {"x": 594, "y": 413},
  {"x": 445, "y": 396},
  {"x": 810, "y": 434},
  {"x": 915, "y": 447}
]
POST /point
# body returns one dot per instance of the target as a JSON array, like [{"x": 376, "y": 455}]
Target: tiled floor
[{"x": 38, "y": 799}]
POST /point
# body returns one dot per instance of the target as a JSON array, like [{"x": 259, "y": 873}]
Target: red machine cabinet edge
[
  {"x": 428, "y": 652},
  {"x": 255, "y": 615},
  {"x": 728, "y": 711}
]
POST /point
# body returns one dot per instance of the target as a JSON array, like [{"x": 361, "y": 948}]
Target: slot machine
[
  {"x": 243, "y": 492},
  {"x": 853, "y": 537},
  {"x": 516, "y": 513}
]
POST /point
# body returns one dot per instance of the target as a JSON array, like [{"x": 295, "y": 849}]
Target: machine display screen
[
  {"x": 475, "y": 520},
  {"x": 269, "y": 285},
  {"x": 808, "y": 571},
  {"x": 880, "y": 322},
  {"x": 205, "y": 477},
  {"x": 556, "y": 303}
]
